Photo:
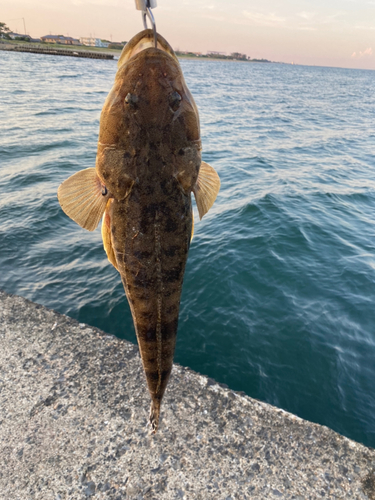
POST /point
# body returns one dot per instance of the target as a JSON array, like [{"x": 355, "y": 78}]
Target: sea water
[{"x": 279, "y": 291}]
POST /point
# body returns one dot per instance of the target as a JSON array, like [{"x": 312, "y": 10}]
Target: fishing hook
[{"x": 145, "y": 6}]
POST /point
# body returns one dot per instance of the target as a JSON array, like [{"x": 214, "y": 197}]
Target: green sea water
[{"x": 279, "y": 290}]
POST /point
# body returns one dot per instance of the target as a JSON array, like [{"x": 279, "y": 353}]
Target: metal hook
[
  {"x": 145, "y": 6},
  {"x": 152, "y": 20}
]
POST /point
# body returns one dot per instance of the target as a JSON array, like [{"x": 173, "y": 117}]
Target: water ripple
[{"x": 280, "y": 282}]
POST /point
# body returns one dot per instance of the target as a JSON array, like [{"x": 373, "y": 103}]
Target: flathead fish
[{"x": 148, "y": 163}]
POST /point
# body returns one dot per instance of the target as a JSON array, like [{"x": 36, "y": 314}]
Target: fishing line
[{"x": 145, "y": 6}]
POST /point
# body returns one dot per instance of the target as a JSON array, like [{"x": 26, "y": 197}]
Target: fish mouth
[{"x": 142, "y": 41}]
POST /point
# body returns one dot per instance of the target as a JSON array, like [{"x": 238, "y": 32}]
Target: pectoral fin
[
  {"x": 206, "y": 188},
  {"x": 82, "y": 199},
  {"x": 106, "y": 235}
]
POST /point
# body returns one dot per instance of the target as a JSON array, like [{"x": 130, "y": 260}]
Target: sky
[{"x": 320, "y": 32}]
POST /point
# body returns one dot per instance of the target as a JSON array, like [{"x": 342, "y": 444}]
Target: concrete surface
[{"x": 74, "y": 408}]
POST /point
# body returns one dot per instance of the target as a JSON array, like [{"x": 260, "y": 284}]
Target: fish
[{"x": 148, "y": 164}]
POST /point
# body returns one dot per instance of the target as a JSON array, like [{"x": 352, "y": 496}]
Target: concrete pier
[
  {"x": 32, "y": 49},
  {"x": 73, "y": 413}
]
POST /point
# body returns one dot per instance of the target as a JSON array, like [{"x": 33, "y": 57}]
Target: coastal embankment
[
  {"x": 74, "y": 410},
  {"x": 37, "y": 49},
  {"x": 88, "y": 52}
]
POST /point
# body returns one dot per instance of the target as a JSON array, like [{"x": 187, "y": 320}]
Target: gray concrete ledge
[{"x": 74, "y": 407}]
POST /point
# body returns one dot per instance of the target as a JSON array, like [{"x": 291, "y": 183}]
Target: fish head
[{"x": 149, "y": 115}]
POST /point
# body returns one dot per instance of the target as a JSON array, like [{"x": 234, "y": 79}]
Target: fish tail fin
[{"x": 154, "y": 414}]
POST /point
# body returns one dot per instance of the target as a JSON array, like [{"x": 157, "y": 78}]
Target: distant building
[
  {"x": 64, "y": 40},
  {"x": 187, "y": 53},
  {"x": 94, "y": 42},
  {"x": 87, "y": 40},
  {"x": 15, "y": 36},
  {"x": 215, "y": 53}
]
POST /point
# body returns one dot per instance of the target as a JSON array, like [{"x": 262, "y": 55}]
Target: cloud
[
  {"x": 337, "y": 17},
  {"x": 365, "y": 53},
  {"x": 197, "y": 4},
  {"x": 301, "y": 21},
  {"x": 306, "y": 15},
  {"x": 103, "y": 3},
  {"x": 260, "y": 19}
]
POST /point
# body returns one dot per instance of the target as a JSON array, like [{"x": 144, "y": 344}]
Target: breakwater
[
  {"x": 74, "y": 410},
  {"x": 57, "y": 52}
]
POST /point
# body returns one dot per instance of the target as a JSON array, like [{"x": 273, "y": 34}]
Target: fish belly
[{"x": 151, "y": 232}]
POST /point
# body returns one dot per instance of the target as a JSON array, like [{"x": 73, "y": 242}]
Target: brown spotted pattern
[{"x": 149, "y": 158}]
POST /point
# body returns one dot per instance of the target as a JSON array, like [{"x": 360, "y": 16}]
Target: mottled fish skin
[
  {"x": 149, "y": 159},
  {"x": 147, "y": 165}
]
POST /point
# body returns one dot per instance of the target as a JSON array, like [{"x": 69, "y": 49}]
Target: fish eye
[
  {"x": 104, "y": 191},
  {"x": 175, "y": 101},
  {"x": 131, "y": 99}
]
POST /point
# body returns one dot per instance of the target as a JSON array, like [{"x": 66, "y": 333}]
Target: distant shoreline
[
  {"x": 12, "y": 45},
  {"x": 85, "y": 54}
]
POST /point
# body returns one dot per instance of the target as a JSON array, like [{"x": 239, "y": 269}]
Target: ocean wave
[{"x": 279, "y": 286}]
